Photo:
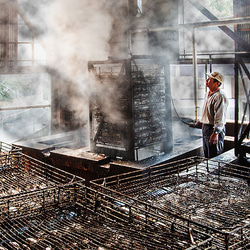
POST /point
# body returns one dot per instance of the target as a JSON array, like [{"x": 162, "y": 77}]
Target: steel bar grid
[
  {"x": 77, "y": 217},
  {"x": 209, "y": 194},
  {"x": 139, "y": 91},
  {"x": 25, "y": 174},
  {"x": 6, "y": 150},
  {"x": 31, "y": 203}
]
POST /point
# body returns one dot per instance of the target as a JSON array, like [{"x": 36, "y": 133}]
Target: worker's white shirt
[{"x": 214, "y": 110}]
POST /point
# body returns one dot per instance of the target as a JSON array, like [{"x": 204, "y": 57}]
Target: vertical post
[
  {"x": 8, "y": 207},
  {"x": 13, "y": 25},
  {"x": 118, "y": 181},
  {"x": 195, "y": 75},
  {"x": 130, "y": 214},
  {"x": 149, "y": 176},
  {"x": 16, "y": 39},
  {"x": 75, "y": 195},
  {"x": 7, "y": 35},
  {"x": 210, "y": 64},
  {"x": 226, "y": 241},
  {"x": 168, "y": 142},
  {"x": 90, "y": 117},
  {"x": 196, "y": 171},
  {"x": 130, "y": 132},
  {"x": 129, "y": 43},
  {"x": 1, "y": 125},
  {"x": 33, "y": 50},
  {"x": 146, "y": 215},
  {"x": 236, "y": 115},
  {"x": 181, "y": 4},
  {"x": 248, "y": 104},
  {"x": 219, "y": 173},
  {"x": 206, "y": 67},
  {"x": 44, "y": 199}
]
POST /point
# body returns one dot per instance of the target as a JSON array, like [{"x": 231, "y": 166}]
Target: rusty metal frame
[
  {"x": 241, "y": 148},
  {"x": 225, "y": 29},
  {"x": 129, "y": 67},
  {"x": 157, "y": 189},
  {"x": 78, "y": 217}
]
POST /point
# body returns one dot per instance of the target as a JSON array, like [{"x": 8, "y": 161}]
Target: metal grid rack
[
  {"x": 21, "y": 173},
  {"x": 139, "y": 93},
  {"x": 6, "y": 150},
  {"x": 77, "y": 217},
  {"x": 211, "y": 195}
]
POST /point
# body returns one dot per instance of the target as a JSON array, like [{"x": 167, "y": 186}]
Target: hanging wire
[{"x": 185, "y": 122}]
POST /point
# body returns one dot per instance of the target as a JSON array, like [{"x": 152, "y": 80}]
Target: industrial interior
[{"x": 98, "y": 138}]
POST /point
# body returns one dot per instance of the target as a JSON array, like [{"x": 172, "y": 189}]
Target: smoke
[
  {"x": 78, "y": 31},
  {"x": 71, "y": 32},
  {"x": 35, "y": 13}
]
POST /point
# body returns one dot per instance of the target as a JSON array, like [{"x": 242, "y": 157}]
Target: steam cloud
[
  {"x": 73, "y": 32},
  {"x": 79, "y": 31}
]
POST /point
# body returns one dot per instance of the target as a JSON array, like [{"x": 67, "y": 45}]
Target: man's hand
[
  {"x": 213, "y": 139},
  {"x": 198, "y": 124}
]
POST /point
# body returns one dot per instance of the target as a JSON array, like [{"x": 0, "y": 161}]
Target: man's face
[{"x": 212, "y": 84}]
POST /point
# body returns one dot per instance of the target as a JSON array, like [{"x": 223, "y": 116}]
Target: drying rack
[
  {"x": 211, "y": 196},
  {"x": 77, "y": 217},
  {"x": 20, "y": 173}
]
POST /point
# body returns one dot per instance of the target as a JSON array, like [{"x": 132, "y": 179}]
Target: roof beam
[
  {"x": 225, "y": 29},
  {"x": 220, "y": 22}
]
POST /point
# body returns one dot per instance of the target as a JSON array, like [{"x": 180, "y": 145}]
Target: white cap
[{"x": 217, "y": 76}]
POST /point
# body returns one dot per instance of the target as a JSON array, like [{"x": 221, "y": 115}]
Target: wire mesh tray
[
  {"x": 21, "y": 173},
  {"x": 77, "y": 217},
  {"x": 211, "y": 195}
]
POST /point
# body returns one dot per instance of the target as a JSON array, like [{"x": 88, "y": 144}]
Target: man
[{"x": 214, "y": 116}]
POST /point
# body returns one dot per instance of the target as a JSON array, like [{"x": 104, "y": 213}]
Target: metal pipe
[
  {"x": 224, "y": 28},
  {"x": 217, "y": 53},
  {"x": 7, "y": 39},
  {"x": 236, "y": 103},
  {"x": 25, "y": 107},
  {"x": 195, "y": 75},
  {"x": 221, "y": 22}
]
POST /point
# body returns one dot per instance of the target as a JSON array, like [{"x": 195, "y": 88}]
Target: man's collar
[{"x": 211, "y": 93}]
